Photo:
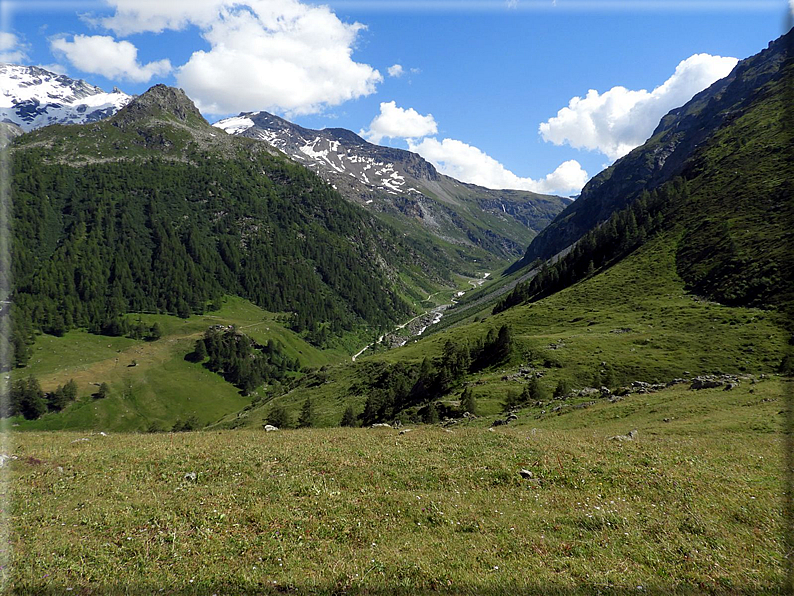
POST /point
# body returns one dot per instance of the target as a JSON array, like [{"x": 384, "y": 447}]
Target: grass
[
  {"x": 636, "y": 317},
  {"x": 693, "y": 505},
  {"x": 162, "y": 387}
]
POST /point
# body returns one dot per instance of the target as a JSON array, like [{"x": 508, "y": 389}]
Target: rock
[
  {"x": 405, "y": 430},
  {"x": 629, "y": 437},
  {"x": 511, "y": 417},
  {"x": 381, "y": 425},
  {"x": 498, "y": 422},
  {"x": 270, "y": 428},
  {"x": 525, "y": 473},
  {"x": 605, "y": 391},
  {"x": 190, "y": 477},
  {"x": 730, "y": 386}
]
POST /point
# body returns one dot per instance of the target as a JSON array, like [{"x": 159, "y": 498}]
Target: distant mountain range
[
  {"x": 32, "y": 97},
  {"x": 398, "y": 183},
  {"x": 471, "y": 227}
]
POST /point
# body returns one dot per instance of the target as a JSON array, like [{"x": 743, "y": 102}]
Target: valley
[{"x": 257, "y": 357}]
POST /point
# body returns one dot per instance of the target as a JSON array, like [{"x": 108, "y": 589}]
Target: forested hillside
[{"x": 182, "y": 214}]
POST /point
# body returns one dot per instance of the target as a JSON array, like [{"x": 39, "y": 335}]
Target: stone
[
  {"x": 628, "y": 437},
  {"x": 270, "y": 428},
  {"x": 405, "y": 430},
  {"x": 190, "y": 477},
  {"x": 381, "y": 425},
  {"x": 525, "y": 473}
]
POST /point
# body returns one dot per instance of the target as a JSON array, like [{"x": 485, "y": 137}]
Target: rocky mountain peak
[{"x": 161, "y": 100}]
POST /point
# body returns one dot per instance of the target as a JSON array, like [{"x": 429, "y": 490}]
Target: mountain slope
[
  {"x": 32, "y": 97},
  {"x": 404, "y": 188},
  {"x": 728, "y": 205},
  {"x": 153, "y": 210},
  {"x": 668, "y": 153}
]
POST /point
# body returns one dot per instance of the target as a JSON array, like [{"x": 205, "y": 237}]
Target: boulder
[{"x": 270, "y": 428}]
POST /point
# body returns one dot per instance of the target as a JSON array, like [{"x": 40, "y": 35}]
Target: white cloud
[
  {"x": 138, "y": 16},
  {"x": 102, "y": 55},
  {"x": 277, "y": 55},
  {"x": 396, "y": 70},
  {"x": 470, "y": 164},
  {"x": 12, "y": 49},
  {"x": 620, "y": 119},
  {"x": 394, "y": 122}
]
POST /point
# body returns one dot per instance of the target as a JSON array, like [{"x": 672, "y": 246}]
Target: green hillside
[
  {"x": 732, "y": 147},
  {"x": 152, "y": 385},
  {"x": 633, "y": 322}
]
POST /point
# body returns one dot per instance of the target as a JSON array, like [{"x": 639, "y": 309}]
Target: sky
[{"x": 537, "y": 95}]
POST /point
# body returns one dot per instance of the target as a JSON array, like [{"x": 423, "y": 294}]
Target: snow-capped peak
[{"x": 32, "y": 97}]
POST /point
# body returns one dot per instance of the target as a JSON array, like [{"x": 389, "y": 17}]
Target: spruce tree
[
  {"x": 431, "y": 414},
  {"x": 307, "y": 418},
  {"x": 279, "y": 417},
  {"x": 467, "y": 401},
  {"x": 348, "y": 418}
]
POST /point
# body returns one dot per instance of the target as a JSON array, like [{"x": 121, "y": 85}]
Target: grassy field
[
  {"x": 692, "y": 505},
  {"x": 152, "y": 385}
]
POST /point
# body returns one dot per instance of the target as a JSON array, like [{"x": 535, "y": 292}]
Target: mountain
[
  {"x": 668, "y": 153},
  {"x": 404, "y": 188},
  {"x": 32, "y": 97},
  {"x": 154, "y": 210},
  {"x": 715, "y": 177}
]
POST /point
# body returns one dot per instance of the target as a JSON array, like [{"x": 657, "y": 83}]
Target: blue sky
[{"x": 476, "y": 86}]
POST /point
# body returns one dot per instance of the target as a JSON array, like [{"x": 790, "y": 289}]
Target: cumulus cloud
[
  {"x": 277, "y": 55},
  {"x": 470, "y": 164},
  {"x": 396, "y": 70},
  {"x": 616, "y": 121},
  {"x": 394, "y": 122},
  {"x": 103, "y": 55},
  {"x": 139, "y": 16},
  {"x": 12, "y": 49}
]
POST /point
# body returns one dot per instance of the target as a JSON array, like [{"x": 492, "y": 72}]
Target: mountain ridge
[
  {"x": 663, "y": 156},
  {"x": 399, "y": 183}
]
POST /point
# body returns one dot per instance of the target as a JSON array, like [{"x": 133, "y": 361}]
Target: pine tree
[
  {"x": 70, "y": 390},
  {"x": 430, "y": 414},
  {"x": 562, "y": 389},
  {"x": 103, "y": 392},
  {"x": 348, "y": 418},
  {"x": 467, "y": 401},
  {"x": 279, "y": 417},
  {"x": 31, "y": 402},
  {"x": 307, "y": 418}
]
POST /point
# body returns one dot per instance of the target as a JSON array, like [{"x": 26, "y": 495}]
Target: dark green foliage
[
  {"x": 26, "y": 399},
  {"x": 94, "y": 242},
  {"x": 348, "y": 417},
  {"x": 400, "y": 387},
  {"x": 306, "y": 419},
  {"x": 187, "y": 425},
  {"x": 513, "y": 400},
  {"x": 563, "y": 388},
  {"x": 102, "y": 392},
  {"x": 70, "y": 390},
  {"x": 57, "y": 401},
  {"x": 467, "y": 401},
  {"x": 279, "y": 417},
  {"x": 601, "y": 247},
  {"x": 155, "y": 332},
  {"x": 240, "y": 360},
  {"x": 199, "y": 353},
  {"x": 430, "y": 414}
]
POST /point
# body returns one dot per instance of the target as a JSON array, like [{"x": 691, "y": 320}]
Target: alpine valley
[{"x": 564, "y": 365}]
